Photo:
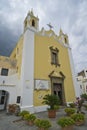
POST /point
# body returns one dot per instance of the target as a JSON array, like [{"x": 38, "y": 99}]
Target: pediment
[{"x": 57, "y": 74}]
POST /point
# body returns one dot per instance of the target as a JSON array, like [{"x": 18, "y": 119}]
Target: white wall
[
  {"x": 8, "y": 80},
  {"x": 79, "y": 89},
  {"x": 82, "y": 81},
  {"x": 11, "y": 86},
  {"x": 27, "y": 70},
  {"x": 85, "y": 88},
  {"x": 73, "y": 73}
]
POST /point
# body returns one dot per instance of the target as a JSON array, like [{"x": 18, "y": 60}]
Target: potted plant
[
  {"x": 78, "y": 118},
  {"x": 30, "y": 118},
  {"x": 11, "y": 108},
  {"x": 51, "y": 101},
  {"x": 23, "y": 113},
  {"x": 66, "y": 123},
  {"x": 56, "y": 107},
  {"x": 72, "y": 105},
  {"x": 69, "y": 111},
  {"x": 84, "y": 96},
  {"x": 26, "y": 116},
  {"x": 79, "y": 102},
  {"x": 42, "y": 124},
  {"x": 17, "y": 110}
]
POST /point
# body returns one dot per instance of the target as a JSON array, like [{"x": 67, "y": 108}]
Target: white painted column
[
  {"x": 27, "y": 75},
  {"x": 73, "y": 73}
]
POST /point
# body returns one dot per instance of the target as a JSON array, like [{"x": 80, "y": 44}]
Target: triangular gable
[{"x": 57, "y": 74}]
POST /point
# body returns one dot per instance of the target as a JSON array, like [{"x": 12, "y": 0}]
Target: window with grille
[
  {"x": 54, "y": 56},
  {"x": 4, "y": 72}
]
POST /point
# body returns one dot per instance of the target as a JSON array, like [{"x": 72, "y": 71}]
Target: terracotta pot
[
  {"x": 68, "y": 128},
  {"x": 52, "y": 113},
  {"x": 31, "y": 123},
  {"x": 78, "y": 123},
  {"x": 41, "y": 129},
  {"x": 69, "y": 114}
]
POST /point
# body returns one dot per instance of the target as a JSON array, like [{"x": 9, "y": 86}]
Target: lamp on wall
[{"x": 3, "y": 82}]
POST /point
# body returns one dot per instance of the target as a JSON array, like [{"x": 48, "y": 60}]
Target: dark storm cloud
[
  {"x": 10, "y": 28},
  {"x": 8, "y": 38},
  {"x": 7, "y": 41}
]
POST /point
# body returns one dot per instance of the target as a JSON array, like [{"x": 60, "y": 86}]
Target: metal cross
[{"x": 50, "y": 26}]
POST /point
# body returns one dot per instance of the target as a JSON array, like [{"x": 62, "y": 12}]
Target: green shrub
[
  {"x": 70, "y": 111},
  {"x": 26, "y": 116},
  {"x": 30, "y": 117},
  {"x": 42, "y": 123},
  {"x": 24, "y": 112},
  {"x": 72, "y": 105},
  {"x": 84, "y": 96},
  {"x": 65, "y": 121},
  {"x": 78, "y": 117},
  {"x": 56, "y": 107}
]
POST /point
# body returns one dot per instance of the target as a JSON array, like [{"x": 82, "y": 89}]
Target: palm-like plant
[{"x": 51, "y": 100}]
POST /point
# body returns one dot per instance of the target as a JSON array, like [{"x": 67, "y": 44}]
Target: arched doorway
[
  {"x": 57, "y": 85},
  {"x": 57, "y": 90},
  {"x": 3, "y": 99}
]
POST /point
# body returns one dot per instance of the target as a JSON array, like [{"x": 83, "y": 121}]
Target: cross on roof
[{"x": 50, "y": 26}]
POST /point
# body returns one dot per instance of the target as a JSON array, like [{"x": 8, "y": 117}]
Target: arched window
[
  {"x": 65, "y": 40},
  {"x": 33, "y": 23},
  {"x": 54, "y": 56}
]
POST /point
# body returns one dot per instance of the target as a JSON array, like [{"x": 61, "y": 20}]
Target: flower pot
[
  {"x": 78, "y": 123},
  {"x": 31, "y": 123},
  {"x": 67, "y": 128},
  {"x": 52, "y": 113},
  {"x": 41, "y": 129},
  {"x": 68, "y": 114}
]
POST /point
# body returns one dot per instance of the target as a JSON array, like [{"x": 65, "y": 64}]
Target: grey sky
[{"x": 70, "y": 15}]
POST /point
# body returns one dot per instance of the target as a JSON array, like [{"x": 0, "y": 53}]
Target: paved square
[{"x": 12, "y": 122}]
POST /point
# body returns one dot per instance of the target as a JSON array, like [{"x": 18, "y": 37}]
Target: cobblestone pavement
[{"x": 12, "y": 122}]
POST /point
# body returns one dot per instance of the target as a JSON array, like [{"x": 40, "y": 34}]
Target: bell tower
[
  {"x": 31, "y": 26},
  {"x": 31, "y": 21}
]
